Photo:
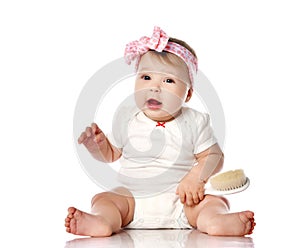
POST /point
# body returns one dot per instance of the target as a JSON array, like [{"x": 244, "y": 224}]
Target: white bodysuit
[{"x": 155, "y": 157}]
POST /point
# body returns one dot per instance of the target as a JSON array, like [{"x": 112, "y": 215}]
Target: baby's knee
[
  {"x": 220, "y": 199},
  {"x": 101, "y": 196},
  {"x": 116, "y": 196}
]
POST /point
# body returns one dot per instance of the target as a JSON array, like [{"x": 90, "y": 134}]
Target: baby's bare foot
[
  {"x": 233, "y": 224},
  {"x": 81, "y": 223}
]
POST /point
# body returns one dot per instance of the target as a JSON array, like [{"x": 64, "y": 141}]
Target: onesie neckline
[{"x": 141, "y": 115}]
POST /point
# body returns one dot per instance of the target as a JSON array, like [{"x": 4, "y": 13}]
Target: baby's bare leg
[
  {"x": 212, "y": 216},
  {"x": 110, "y": 212}
]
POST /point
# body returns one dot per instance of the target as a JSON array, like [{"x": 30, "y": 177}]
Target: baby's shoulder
[{"x": 194, "y": 115}]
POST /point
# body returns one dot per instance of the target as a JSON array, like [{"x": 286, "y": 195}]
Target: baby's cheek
[
  {"x": 140, "y": 97},
  {"x": 173, "y": 103}
]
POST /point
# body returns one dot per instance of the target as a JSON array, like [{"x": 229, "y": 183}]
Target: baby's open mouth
[{"x": 154, "y": 104}]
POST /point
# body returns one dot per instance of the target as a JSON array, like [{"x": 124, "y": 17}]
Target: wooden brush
[{"x": 229, "y": 182}]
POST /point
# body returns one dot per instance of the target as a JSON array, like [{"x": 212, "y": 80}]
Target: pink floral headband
[{"x": 159, "y": 42}]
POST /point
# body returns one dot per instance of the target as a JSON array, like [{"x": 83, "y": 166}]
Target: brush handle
[{"x": 211, "y": 191}]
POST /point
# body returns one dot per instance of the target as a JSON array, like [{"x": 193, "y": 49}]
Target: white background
[{"x": 249, "y": 50}]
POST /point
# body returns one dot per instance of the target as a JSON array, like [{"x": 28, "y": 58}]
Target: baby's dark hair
[{"x": 184, "y": 44}]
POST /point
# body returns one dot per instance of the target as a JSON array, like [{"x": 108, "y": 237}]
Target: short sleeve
[{"x": 203, "y": 136}]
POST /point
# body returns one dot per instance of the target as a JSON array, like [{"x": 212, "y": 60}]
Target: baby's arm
[
  {"x": 98, "y": 145},
  {"x": 191, "y": 187}
]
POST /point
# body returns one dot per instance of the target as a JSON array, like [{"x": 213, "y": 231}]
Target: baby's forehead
[{"x": 154, "y": 64}]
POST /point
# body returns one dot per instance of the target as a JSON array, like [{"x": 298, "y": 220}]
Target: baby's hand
[
  {"x": 191, "y": 190},
  {"x": 92, "y": 138}
]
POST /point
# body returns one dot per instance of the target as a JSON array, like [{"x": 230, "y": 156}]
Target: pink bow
[{"x": 136, "y": 48}]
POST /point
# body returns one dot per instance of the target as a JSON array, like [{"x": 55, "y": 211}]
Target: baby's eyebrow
[
  {"x": 145, "y": 71},
  {"x": 144, "y": 68},
  {"x": 167, "y": 74}
]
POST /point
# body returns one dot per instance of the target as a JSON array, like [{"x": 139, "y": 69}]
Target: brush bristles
[{"x": 228, "y": 180}]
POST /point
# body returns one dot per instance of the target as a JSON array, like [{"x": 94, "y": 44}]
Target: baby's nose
[
  {"x": 155, "y": 86},
  {"x": 155, "y": 89}
]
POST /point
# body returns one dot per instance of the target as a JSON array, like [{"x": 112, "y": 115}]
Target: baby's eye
[
  {"x": 169, "y": 81},
  {"x": 146, "y": 77}
]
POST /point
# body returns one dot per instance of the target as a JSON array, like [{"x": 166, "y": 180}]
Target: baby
[{"x": 163, "y": 175}]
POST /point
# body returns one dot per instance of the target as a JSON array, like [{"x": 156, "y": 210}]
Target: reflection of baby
[
  {"x": 165, "y": 73},
  {"x": 160, "y": 239}
]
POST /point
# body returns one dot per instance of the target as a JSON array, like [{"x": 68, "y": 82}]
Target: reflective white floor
[{"x": 160, "y": 239}]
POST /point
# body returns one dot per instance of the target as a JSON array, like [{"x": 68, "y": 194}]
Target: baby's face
[{"x": 161, "y": 89}]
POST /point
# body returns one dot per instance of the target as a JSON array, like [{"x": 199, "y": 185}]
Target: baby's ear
[{"x": 189, "y": 95}]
